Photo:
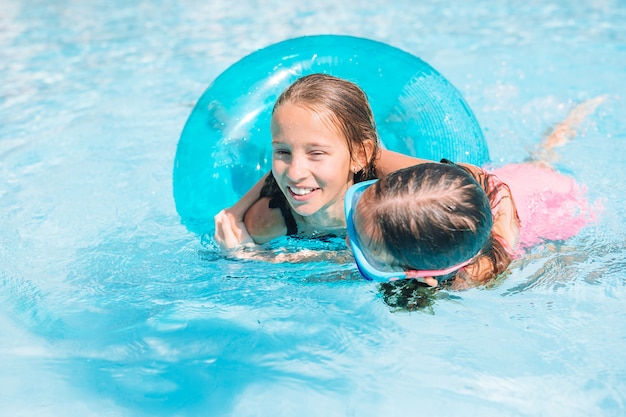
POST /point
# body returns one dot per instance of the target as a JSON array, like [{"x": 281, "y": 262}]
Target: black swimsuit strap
[{"x": 290, "y": 221}]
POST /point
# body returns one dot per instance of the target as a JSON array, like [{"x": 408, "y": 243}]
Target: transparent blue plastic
[{"x": 225, "y": 145}]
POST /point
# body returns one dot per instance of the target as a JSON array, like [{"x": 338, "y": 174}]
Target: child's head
[
  {"x": 430, "y": 216},
  {"x": 343, "y": 106}
]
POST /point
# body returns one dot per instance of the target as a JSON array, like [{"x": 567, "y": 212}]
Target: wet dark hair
[{"x": 428, "y": 216}]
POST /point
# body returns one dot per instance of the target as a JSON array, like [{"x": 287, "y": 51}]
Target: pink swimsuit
[{"x": 550, "y": 205}]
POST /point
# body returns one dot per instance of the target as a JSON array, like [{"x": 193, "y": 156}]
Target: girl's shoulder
[{"x": 264, "y": 222}]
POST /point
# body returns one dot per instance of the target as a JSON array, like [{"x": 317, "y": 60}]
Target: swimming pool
[{"x": 110, "y": 306}]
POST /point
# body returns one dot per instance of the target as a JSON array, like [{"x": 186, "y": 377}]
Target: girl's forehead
[
  {"x": 302, "y": 110},
  {"x": 292, "y": 116}
]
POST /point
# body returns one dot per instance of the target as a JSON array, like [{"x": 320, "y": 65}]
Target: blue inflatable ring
[{"x": 225, "y": 145}]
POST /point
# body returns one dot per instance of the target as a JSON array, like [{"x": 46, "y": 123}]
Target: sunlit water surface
[{"x": 109, "y": 306}]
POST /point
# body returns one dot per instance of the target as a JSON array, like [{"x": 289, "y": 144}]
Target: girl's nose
[{"x": 296, "y": 170}]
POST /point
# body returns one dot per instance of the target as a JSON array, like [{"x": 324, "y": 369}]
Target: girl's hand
[
  {"x": 230, "y": 232},
  {"x": 430, "y": 281}
]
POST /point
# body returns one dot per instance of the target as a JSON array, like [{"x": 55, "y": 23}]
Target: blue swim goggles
[{"x": 369, "y": 268}]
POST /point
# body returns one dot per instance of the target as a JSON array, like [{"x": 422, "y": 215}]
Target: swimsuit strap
[{"x": 290, "y": 221}]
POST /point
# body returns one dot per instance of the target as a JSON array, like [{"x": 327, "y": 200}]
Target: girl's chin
[
  {"x": 304, "y": 205},
  {"x": 305, "y": 211}
]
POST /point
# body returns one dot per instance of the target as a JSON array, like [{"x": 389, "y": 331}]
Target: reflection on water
[{"x": 110, "y": 306}]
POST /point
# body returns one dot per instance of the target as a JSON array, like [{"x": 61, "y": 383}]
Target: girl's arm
[
  {"x": 506, "y": 223},
  {"x": 505, "y": 233},
  {"x": 264, "y": 223},
  {"x": 389, "y": 161},
  {"x": 230, "y": 230}
]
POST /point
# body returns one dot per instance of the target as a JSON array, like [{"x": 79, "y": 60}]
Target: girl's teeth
[{"x": 300, "y": 191}]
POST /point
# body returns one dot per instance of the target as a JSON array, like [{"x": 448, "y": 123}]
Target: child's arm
[
  {"x": 249, "y": 221},
  {"x": 264, "y": 223},
  {"x": 230, "y": 230},
  {"x": 505, "y": 233},
  {"x": 389, "y": 161},
  {"x": 506, "y": 223}
]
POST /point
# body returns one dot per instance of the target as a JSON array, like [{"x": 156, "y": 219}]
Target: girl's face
[{"x": 311, "y": 163}]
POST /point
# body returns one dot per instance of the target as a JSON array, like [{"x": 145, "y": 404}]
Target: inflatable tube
[{"x": 225, "y": 145}]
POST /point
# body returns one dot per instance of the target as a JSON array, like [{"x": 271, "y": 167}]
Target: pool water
[{"x": 111, "y": 306}]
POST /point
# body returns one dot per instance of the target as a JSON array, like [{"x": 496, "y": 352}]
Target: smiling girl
[{"x": 324, "y": 140}]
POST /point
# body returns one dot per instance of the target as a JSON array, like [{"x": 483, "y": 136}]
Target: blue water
[{"x": 109, "y": 306}]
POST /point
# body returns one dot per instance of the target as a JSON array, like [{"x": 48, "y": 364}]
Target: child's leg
[{"x": 565, "y": 131}]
